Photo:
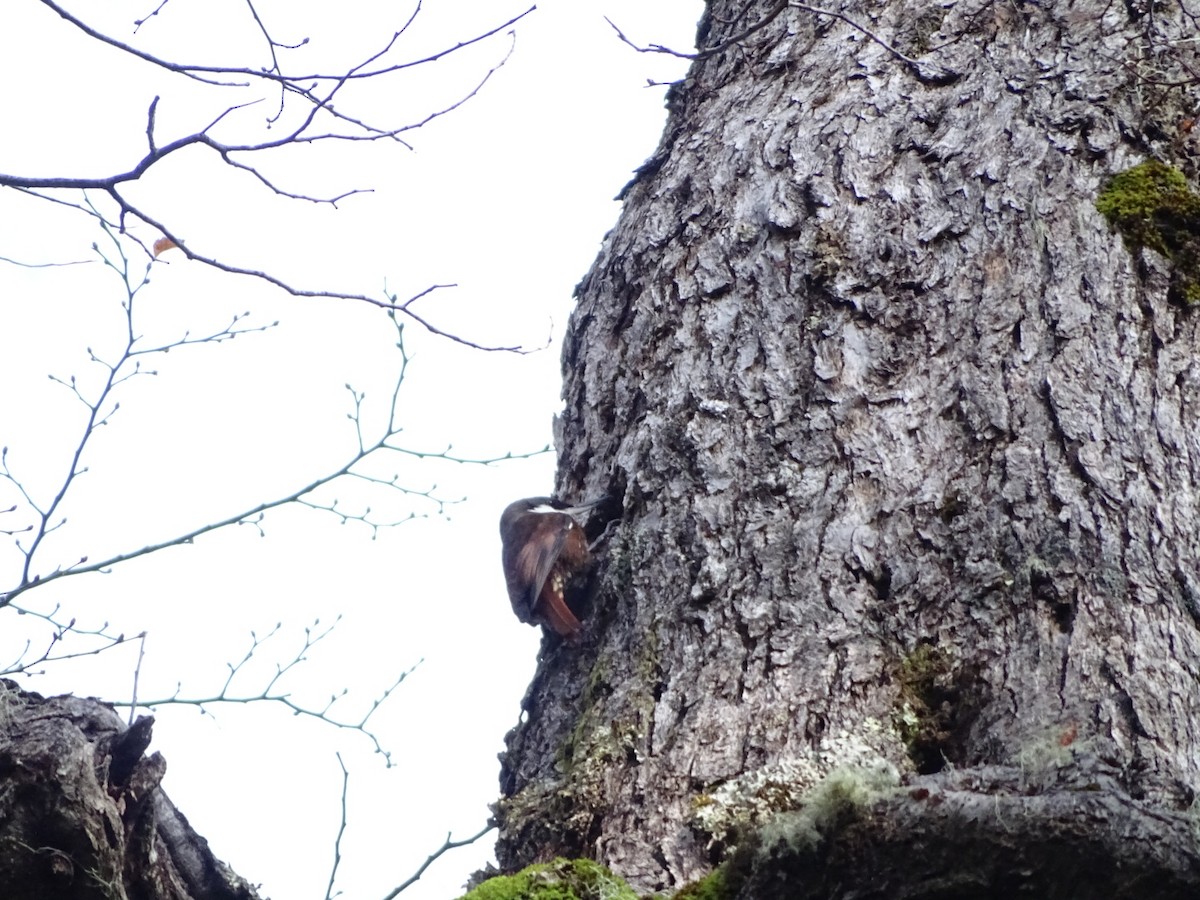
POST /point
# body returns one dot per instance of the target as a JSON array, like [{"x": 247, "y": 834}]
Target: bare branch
[
  {"x": 137, "y": 674},
  {"x": 337, "y": 843},
  {"x": 98, "y": 641},
  {"x": 316, "y": 92},
  {"x": 99, "y": 407},
  {"x": 917, "y": 66},
  {"x": 138, "y": 23},
  {"x": 389, "y": 303},
  {"x": 447, "y": 846},
  {"x": 150, "y": 115},
  {"x": 45, "y": 520},
  {"x": 48, "y": 265},
  {"x": 271, "y": 692},
  {"x": 293, "y": 80}
]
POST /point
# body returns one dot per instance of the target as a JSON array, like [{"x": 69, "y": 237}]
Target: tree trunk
[
  {"x": 81, "y": 813},
  {"x": 902, "y": 444}
]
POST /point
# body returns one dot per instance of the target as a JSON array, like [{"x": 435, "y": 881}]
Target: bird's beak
[{"x": 575, "y": 511}]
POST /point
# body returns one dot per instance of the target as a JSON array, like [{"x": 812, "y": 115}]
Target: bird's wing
[{"x": 532, "y": 567}]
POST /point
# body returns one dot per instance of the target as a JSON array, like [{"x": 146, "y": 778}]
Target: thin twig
[
  {"x": 271, "y": 690},
  {"x": 337, "y": 843},
  {"x": 100, "y": 409},
  {"x": 137, "y": 674},
  {"x": 316, "y": 92},
  {"x": 915, "y": 65},
  {"x": 448, "y": 845},
  {"x": 198, "y": 71},
  {"x": 49, "y": 265},
  {"x": 770, "y": 16},
  {"x": 60, "y": 631},
  {"x": 766, "y": 20}
]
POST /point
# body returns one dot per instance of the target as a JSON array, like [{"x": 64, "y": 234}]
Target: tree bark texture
[
  {"x": 901, "y": 443},
  {"x": 82, "y": 816}
]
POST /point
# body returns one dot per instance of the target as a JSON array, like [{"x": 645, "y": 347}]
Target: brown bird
[{"x": 543, "y": 548}]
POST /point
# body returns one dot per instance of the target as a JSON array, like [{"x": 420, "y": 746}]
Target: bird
[{"x": 543, "y": 548}]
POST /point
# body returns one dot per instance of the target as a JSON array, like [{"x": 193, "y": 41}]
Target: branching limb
[
  {"x": 352, "y": 468},
  {"x": 99, "y": 408},
  {"x": 447, "y": 845},
  {"x": 272, "y": 690},
  {"x": 127, "y": 362},
  {"x": 316, "y": 120},
  {"x": 389, "y": 302},
  {"x": 96, "y": 641},
  {"x": 210, "y": 74}
]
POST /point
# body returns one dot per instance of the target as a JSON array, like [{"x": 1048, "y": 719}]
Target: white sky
[{"x": 508, "y": 197}]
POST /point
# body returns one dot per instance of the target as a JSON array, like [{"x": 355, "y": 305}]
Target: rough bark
[
  {"x": 980, "y": 840},
  {"x": 82, "y": 816},
  {"x": 902, "y": 446}
]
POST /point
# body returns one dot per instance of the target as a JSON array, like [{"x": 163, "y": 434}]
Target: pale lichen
[
  {"x": 1045, "y": 757},
  {"x": 756, "y": 797},
  {"x": 837, "y": 800}
]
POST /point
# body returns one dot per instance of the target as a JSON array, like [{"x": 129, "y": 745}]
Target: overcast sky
[{"x": 509, "y": 198}]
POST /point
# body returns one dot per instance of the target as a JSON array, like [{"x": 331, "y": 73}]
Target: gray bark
[
  {"x": 82, "y": 816},
  {"x": 903, "y": 442}
]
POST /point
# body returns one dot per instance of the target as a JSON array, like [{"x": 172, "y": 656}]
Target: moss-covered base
[
  {"x": 717, "y": 885},
  {"x": 582, "y": 879},
  {"x": 562, "y": 879}
]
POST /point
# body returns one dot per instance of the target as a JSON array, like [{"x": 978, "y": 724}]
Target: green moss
[
  {"x": 597, "y": 683},
  {"x": 597, "y": 739},
  {"x": 562, "y": 879},
  {"x": 1135, "y": 199},
  {"x": 1153, "y": 206},
  {"x": 714, "y": 886},
  {"x": 550, "y": 813},
  {"x": 921, "y": 714},
  {"x": 845, "y": 793},
  {"x": 601, "y": 734}
]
